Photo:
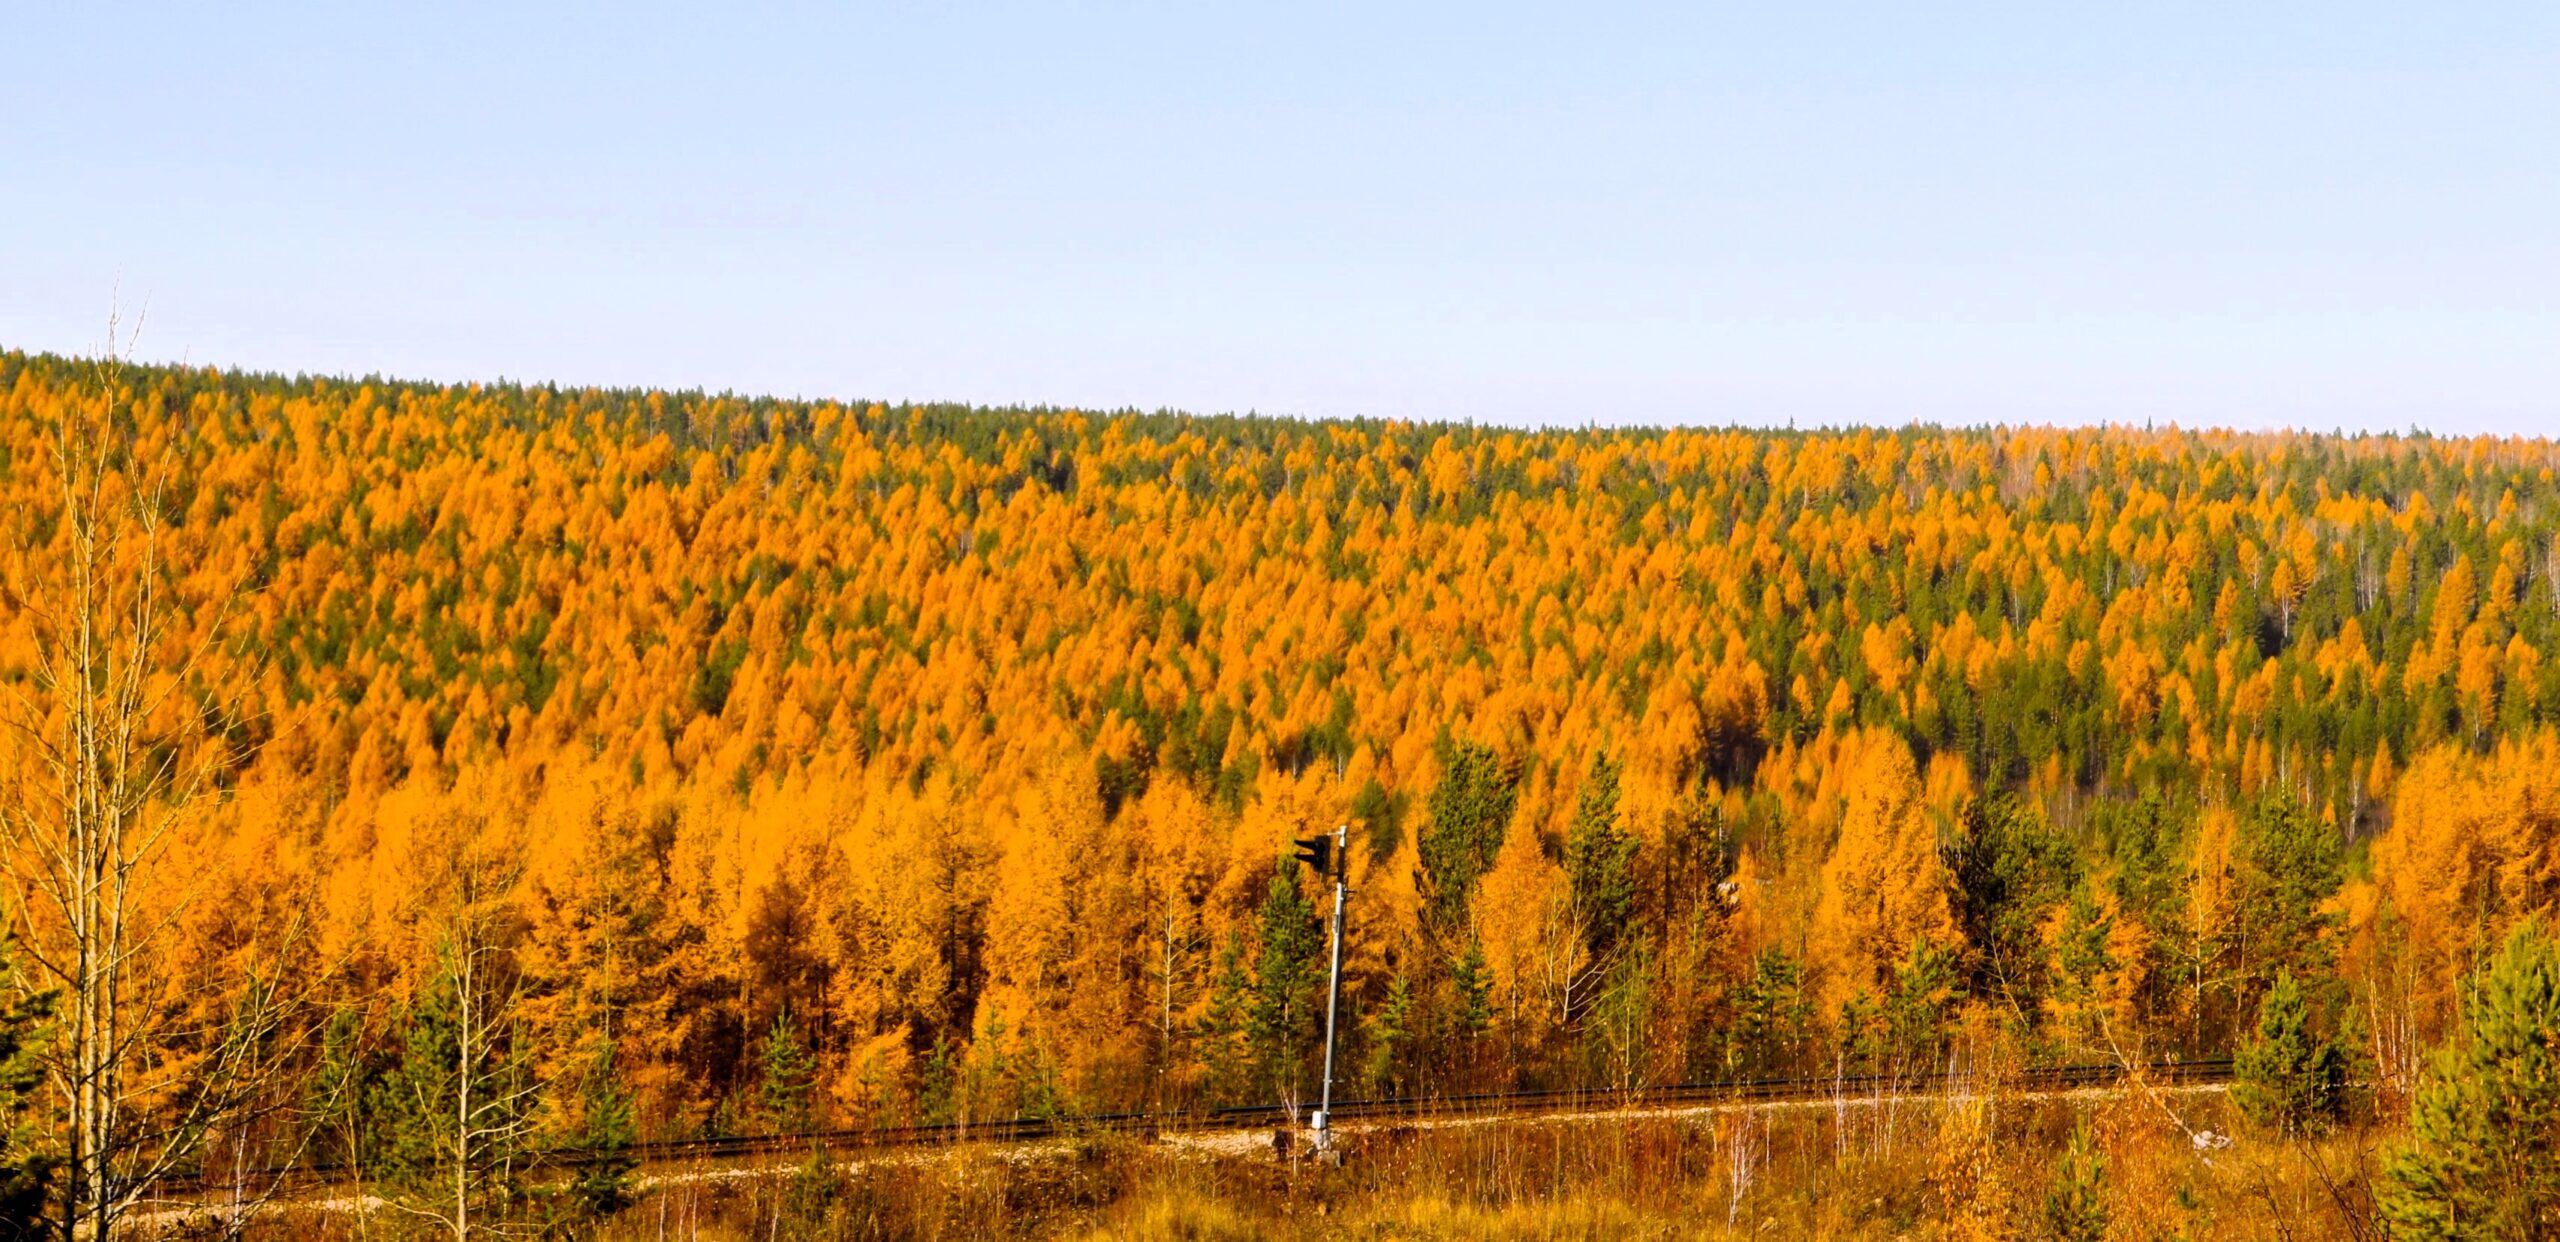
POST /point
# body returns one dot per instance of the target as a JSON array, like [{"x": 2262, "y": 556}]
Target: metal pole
[{"x": 1333, "y": 990}]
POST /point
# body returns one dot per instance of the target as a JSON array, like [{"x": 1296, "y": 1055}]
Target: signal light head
[{"x": 1317, "y": 852}]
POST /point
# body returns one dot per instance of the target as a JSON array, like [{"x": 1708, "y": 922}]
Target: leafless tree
[
  {"x": 113, "y": 736},
  {"x": 463, "y": 1105},
  {"x": 477, "y": 1110}
]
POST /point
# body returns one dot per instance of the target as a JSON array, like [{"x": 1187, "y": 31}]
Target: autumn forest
[{"x": 686, "y": 765}]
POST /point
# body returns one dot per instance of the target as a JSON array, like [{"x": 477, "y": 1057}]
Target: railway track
[
  {"x": 1486, "y": 1104},
  {"x": 1851, "y": 1087}
]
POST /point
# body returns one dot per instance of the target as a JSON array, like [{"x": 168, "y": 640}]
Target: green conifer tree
[
  {"x": 604, "y": 1180},
  {"x": 1600, "y": 860},
  {"x": 785, "y": 1071},
  {"x": 2287, "y": 1076},
  {"x": 2294, "y": 866},
  {"x": 1619, "y": 1022},
  {"x": 343, "y": 1089},
  {"x": 2483, "y": 1156},
  {"x": 2080, "y": 959},
  {"x": 1469, "y": 814},
  {"x": 2007, "y": 867},
  {"x": 1472, "y": 980},
  {"x": 2075, "y": 1209},
  {"x": 1769, "y": 1035},
  {"x": 1224, "y": 1051},
  {"x": 1288, "y": 984},
  {"x": 27, "y": 1155},
  {"x": 457, "y": 1110},
  {"x": 1390, "y": 1029},
  {"x": 938, "y": 1096},
  {"x": 1919, "y": 1010}
]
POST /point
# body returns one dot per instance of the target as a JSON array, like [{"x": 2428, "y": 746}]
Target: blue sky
[{"x": 2332, "y": 215}]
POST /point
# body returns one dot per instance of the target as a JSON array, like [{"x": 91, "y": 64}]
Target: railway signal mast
[{"x": 1329, "y": 854}]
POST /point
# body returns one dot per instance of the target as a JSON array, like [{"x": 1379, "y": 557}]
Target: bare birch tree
[
  {"x": 112, "y": 737},
  {"x": 463, "y": 1106}
]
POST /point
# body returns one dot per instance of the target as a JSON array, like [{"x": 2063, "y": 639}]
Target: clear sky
[{"x": 2339, "y": 214}]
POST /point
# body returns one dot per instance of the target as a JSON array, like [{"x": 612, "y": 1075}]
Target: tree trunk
[{"x": 100, "y": 775}]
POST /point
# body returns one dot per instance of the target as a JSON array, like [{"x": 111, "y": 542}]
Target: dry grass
[{"x": 1927, "y": 1170}]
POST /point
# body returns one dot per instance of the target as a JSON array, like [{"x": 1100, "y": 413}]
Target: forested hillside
[{"x": 799, "y": 763}]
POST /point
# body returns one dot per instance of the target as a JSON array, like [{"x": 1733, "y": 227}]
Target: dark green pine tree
[
  {"x": 1600, "y": 860},
  {"x": 2147, "y": 841},
  {"x": 1919, "y": 1008},
  {"x": 1380, "y": 817},
  {"x": 2080, "y": 959},
  {"x": 1390, "y": 1029},
  {"x": 1461, "y": 1047},
  {"x": 1472, "y": 982},
  {"x": 2483, "y": 1156},
  {"x": 27, "y": 1156},
  {"x": 1225, "y": 1052},
  {"x": 1769, "y": 1035},
  {"x": 605, "y": 1175},
  {"x": 2009, "y": 867},
  {"x": 1616, "y": 1027},
  {"x": 2294, "y": 867},
  {"x": 785, "y": 1069},
  {"x": 2075, "y": 1209},
  {"x": 343, "y": 1090},
  {"x": 2287, "y": 1076},
  {"x": 1469, "y": 813},
  {"x": 1281, "y": 1023},
  {"x": 457, "y": 1110},
  {"x": 938, "y": 1089}
]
